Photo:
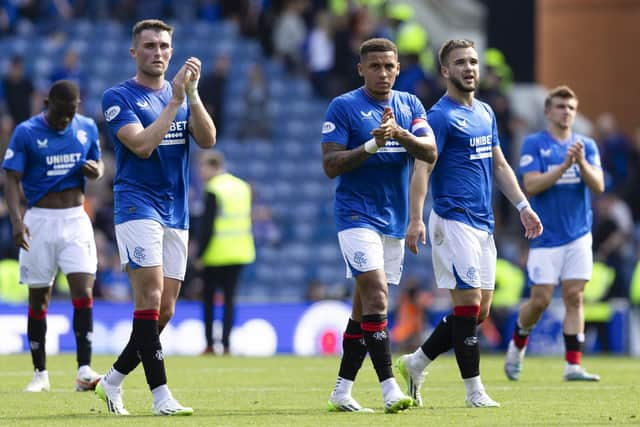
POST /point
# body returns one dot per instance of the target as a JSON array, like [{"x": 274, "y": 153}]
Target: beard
[{"x": 459, "y": 84}]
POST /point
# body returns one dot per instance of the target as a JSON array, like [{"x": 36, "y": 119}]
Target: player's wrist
[
  {"x": 521, "y": 205},
  {"x": 194, "y": 98},
  {"x": 371, "y": 146}
]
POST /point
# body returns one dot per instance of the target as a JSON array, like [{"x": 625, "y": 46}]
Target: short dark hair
[
  {"x": 377, "y": 45},
  {"x": 64, "y": 91},
  {"x": 149, "y": 24},
  {"x": 563, "y": 91},
  {"x": 449, "y": 45}
]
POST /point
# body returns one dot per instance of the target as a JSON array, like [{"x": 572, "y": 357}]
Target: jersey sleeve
[
  {"x": 336, "y": 124},
  {"x": 419, "y": 124},
  {"x": 15, "y": 157},
  {"x": 440, "y": 126},
  {"x": 117, "y": 112},
  {"x": 94, "y": 152},
  {"x": 529, "y": 157},
  {"x": 591, "y": 153}
]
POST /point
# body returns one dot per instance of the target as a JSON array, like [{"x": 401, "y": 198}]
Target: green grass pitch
[{"x": 292, "y": 391}]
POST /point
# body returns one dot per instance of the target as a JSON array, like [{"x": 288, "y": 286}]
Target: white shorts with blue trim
[
  {"x": 147, "y": 243},
  {"x": 60, "y": 238},
  {"x": 463, "y": 257},
  {"x": 365, "y": 250},
  {"x": 549, "y": 266}
]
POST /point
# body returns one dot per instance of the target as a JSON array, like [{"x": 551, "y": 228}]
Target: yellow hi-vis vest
[
  {"x": 635, "y": 286},
  {"x": 510, "y": 281},
  {"x": 10, "y": 289},
  {"x": 232, "y": 241},
  {"x": 595, "y": 309}
]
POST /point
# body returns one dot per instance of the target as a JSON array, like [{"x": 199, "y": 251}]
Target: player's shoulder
[
  {"x": 484, "y": 106},
  {"x": 347, "y": 97},
  {"x": 117, "y": 90},
  {"x": 535, "y": 138},
  {"x": 85, "y": 120},
  {"x": 587, "y": 140},
  {"x": 28, "y": 125}
]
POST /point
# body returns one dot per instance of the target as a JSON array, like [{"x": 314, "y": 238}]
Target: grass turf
[{"x": 293, "y": 391}]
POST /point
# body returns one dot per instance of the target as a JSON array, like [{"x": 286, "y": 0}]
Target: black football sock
[
  {"x": 376, "y": 335},
  {"x": 441, "y": 339},
  {"x": 354, "y": 350},
  {"x": 147, "y": 342},
  {"x": 83, "y": 329},
  {"x": 465, "y": 340},
  {"x": 36, "y": 332}
]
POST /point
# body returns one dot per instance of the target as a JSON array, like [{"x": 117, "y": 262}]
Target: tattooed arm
[{"x": 336, "y": 159}]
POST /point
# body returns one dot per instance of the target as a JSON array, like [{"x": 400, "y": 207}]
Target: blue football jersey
[
  {"x": 374, "y": 195},
  {"x": 461, "y": 181},
  {"x": 565, "y": 207},
  {"x": 154, "y": 188},
  {"x": 51, "y": 160}
]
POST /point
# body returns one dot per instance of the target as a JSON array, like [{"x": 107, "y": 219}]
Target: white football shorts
[
  {"x": 463, "y": 257},
  {"x": 60, "y": 238},
  {"x": 365, "y": 250},
  {"x": 549, "y": 266},
  {"x": 147, "y": 243}
]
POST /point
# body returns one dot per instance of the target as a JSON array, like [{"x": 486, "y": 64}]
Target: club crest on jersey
[
  {"x": 82, "y": 136},
  {"x": 404, "y": 109},
  {"x": 9, "y": 154},
  {"x": 328, "y": 127},
  {"x": 111, "y": 112},
  {"x": 42, "y": 143}
]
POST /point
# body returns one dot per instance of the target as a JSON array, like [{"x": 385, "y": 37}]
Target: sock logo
[
  {"x": 34, "y": 345},
  {"x": 159, "y": 355},
  {"x": 471, "y": 341},
  {"x": 380, "y": 335}
]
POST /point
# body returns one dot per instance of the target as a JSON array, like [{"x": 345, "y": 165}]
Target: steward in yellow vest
[{"x": 225, "y": 241}]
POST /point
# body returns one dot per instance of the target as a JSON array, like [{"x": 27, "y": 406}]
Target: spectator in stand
[
  {"x": 70, "y": 69},
  {"x": 321, "y": 54},
  {"x": 632, "y": 184},
  {"x": 289, "y": 33},
  {"x": 212, "y": 89},
  {"x": 18, "y": 90},
  {"x": 615, "y": 148},
  {"x": 256, "y": 119},
  {"x": 612, "y": 240}
]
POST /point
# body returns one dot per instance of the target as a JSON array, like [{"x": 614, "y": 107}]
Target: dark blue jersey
[
  {"x": 461, "y": 181},
  {"x": 565, "y": 207},
  {"x": 154, "y": 188},
  {"x": 374, "y": 195},
  {"x": 50, "y": 160}
]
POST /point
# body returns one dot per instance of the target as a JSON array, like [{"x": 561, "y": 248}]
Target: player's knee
[
  {"x": 483, "y": 315},
  {"x": 376, "y": 303},
  {"x": 166, "y": 314},
  {"x": 573, "y": 300},
  {"x": 540, "y": 303}
]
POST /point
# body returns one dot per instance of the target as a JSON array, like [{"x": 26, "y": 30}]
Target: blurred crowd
[{"x": 317, "y": 40}]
